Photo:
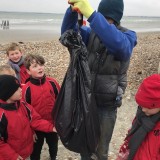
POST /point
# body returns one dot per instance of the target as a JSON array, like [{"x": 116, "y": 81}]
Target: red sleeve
[
  {"x": 6, "y": 152},
  {"x": 24, "y": 89},
  {"x": 56, "y": 83},
  {"x": 37, "y": 123}
]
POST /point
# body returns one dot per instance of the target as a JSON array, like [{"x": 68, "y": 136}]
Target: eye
[
  {"x": 34, "y": 66},
  {"x": 11, "y": 54}
]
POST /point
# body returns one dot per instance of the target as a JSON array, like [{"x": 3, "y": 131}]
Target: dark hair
[{"x": 31, "y": 58}]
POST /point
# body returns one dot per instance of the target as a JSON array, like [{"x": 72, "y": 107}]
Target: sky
[{"x": 132, "y": 7}]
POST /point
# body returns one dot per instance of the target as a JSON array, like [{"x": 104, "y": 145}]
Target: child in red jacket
[
  {"x": 16, "y": 60},
  {"x": 17, "y": 121},
  {"x": 41, "y": 92},
  {"x": 143, "y": 139}
]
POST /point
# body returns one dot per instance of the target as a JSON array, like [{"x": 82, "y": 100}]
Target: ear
[
  {"x": 22, "y": 53},
  {"x": 7, "y": 56},
  {"x": 28, "y": 71}
]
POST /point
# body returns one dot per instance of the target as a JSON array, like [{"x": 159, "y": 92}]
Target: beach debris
[{"x": 21, "y": 42}]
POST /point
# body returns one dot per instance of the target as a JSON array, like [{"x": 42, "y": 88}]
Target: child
[
  {"x": 143, "y": 139},
  {"x": 6, "y": 69},
  {"x": 15, "y": 60},
  {"x": 17, "y": 119},
  {"x": 41, "y": 92}
]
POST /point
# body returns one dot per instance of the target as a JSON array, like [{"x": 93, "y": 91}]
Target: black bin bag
[{"x": 75, "y": 113}]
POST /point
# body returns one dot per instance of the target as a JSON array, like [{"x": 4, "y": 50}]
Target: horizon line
[{"x": 64, "y": 13}]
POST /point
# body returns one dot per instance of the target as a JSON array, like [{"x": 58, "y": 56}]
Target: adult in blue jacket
[{"x": 109, "y": 50}]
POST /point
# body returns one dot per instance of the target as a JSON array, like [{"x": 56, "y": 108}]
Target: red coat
[
  {"x": 16, "y": 133},
  {"x": 150, "y": 147},
  {"x": 41, "y": 94},
  {"x": 148, "y": 150}
]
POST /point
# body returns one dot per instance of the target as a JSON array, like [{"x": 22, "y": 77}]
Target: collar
[
  {"x": 9, "y": 106},
  {"x": 19, "y": 63},
  {"x": 38, "y": 81}
]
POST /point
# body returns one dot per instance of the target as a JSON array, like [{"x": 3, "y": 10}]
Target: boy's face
[
  {"x": 15, "y": 55},
  {"x": 110, "y": 21},
  {"x": 36, "y": 70},
  {"x": 16, "y": 96},
  {"x": 150, "y": 112}
]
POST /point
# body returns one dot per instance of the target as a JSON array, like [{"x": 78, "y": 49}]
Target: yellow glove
[{"x": 82, "y": 6}]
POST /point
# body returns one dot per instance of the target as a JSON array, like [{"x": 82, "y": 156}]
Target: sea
[
  {"x": 51, "y": 22},
  {"x": 32, "y": 21}
]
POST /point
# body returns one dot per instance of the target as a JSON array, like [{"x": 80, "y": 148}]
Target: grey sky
[{"x": 132, "y": 7}]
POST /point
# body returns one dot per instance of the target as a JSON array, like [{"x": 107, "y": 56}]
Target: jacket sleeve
[
  {"x": 6, "y": 152},
  {"x": 70, "y": 22},
  {"x": 122, "y": 82},
  {"x": 55, "y": 85},
  {"x": 122, "y": 77},
  {"x": 120, "y": 44},
  {"x": 26, "y": 94},
  {"x": 37, "y": 123}
]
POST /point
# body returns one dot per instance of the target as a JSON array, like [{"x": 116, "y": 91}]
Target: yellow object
[{"x": 82, "y": 6}]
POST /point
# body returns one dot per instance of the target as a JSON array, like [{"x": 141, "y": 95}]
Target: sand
[
  {"x": 144, "y": 61},
  {"x": 27, "y": 35}
]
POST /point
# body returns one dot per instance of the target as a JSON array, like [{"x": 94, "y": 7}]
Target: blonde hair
[
  {"x": 13, "y": 47},
  {"x": 6, "y": 69}
]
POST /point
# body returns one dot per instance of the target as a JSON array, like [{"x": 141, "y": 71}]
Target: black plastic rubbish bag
[{"x": 75, "y": 112}]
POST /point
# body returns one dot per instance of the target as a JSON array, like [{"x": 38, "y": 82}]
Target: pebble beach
[{"x": 144, "y": 62}]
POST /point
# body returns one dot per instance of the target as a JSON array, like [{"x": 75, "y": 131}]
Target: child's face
[
  {"x": 36, "y": 70},
  {"x": 16, "y": 96},
  {"x": 110, "y": 21},
  {"x": 150, "y": 112},
  {"x": 15, "y": 55}
]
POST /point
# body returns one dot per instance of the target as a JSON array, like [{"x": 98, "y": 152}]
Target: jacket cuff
[{"x": 92, "y": 16}]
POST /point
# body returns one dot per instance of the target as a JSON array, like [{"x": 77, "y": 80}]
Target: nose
[
  {"x": 40, "y": 66},
  {"x": 20, "y": 89},
  {"x": 15, "y": 55}
]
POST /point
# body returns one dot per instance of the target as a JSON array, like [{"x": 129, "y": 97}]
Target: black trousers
[{"x": 51, "y": 140}]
